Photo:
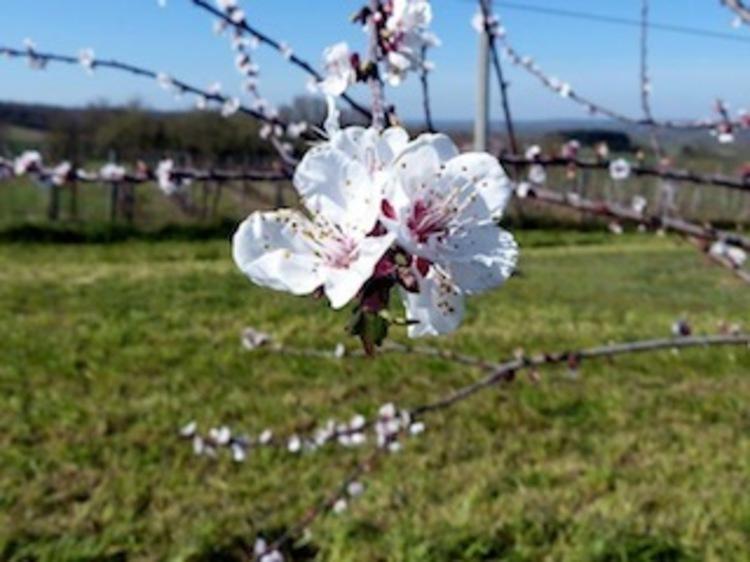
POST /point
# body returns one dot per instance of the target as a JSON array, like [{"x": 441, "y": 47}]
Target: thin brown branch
[
  {"x": 424, "y": 80},
  {"x": 374, "y": 54},
  {"x": 485, "y": 7},
  {"x": 719, "y": 180},
  {"x": 500, "y": 373},
  {"x": 645, "y": 84},
  {"x": 505, "y": 372},
  {"x": 595, "y": 108},
  {"x": 739, "y": 8},
  {"x": 629, "y": 215},
  {"x": 277, "y": 46}
]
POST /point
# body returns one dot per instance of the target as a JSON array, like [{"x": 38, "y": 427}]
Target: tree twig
[
  {"x": 690, "y": 176},
  {"x": 277, "y": 46}
]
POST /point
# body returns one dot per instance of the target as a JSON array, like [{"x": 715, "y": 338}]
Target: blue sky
[{"x": 599, "y": 60}]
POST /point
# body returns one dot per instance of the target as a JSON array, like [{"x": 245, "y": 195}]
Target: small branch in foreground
[{"x": 500, "y": 373}]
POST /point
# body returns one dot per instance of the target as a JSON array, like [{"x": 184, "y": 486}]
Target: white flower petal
[
  {"x": 490, "y": 182},
  {"x": 482, "y": 259},
  {"x": 337, "y": 186},
  {"x": 438, "y": 307},
  {"x": 273, "y": 251},
  {"x": 343, "y": 284}
]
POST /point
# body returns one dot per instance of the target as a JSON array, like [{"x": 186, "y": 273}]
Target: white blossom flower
[
  {"x": 407, "y": 36},
  {"x": 263, "y": 554},
  {"x": 725, "y": 137},
  {"x": 619, "y": 169},
  {"x": 230, "y": 107},
  {"x": 339, "y": 506},
  {"x": 226, "y": 5},
  {"x": 86, "y": 58},
  {"x": 735, "y": 255},
  {"x": 286, "y": 50},
  {"x": 165, "y": 81},
  {"x": 338, "y": 182},
  {"x": 602, "y": 150},
  {"x": 339, "y": 351},
  {"x": 237, "y": 16},
  {"x": 295, "y": 130},
  {"x": 387, "y": 411},
  {"x": 28, "y": 161},
  {"x": 60, "y": 173},
  {"x": 537, "y": 174},
  {"x": 239, "y": 453},
  {"x": 533, "y": 152},
  {"x": 339, "y": 71},
  {"x": 221, "y": 435},
  {"x": 265, "y": 437},
  {"x": 442, "y": 207},
  {"x": 570, "y": 149},
  {"x": 357, "y": 422},
  {"x": 523, "y": 189},
  {"x": 253, "y": 339},
  {"x": 294, "y": 445},
  {"x": 199, "y": 446},
  {"x": 167, "y": 181},
  {"x": 189, "y": 429},
  {"x": 638, "y": 204},
  {"x": 112, "y": 172},
  {"x": 355, "y": 489},
  {"x": 416, "y": 428}
]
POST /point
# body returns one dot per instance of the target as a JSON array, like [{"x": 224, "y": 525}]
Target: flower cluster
[
  {"x": 402, "y": 33},
  {"x": 385, "y": 430},
  {"x": 28, "y": 161},
  {"x": 386, "y": 212},
  {"x": 619, "y": 169},
  {"x": 166, "y": 179},
  {"x": 734, "y": 255}
]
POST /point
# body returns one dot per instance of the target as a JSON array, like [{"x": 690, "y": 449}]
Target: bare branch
[
  {"x": 277, "y": 46},
  {"x": 500, "y": 373},
  {"x": 719, "y": 180},
  {"x": 739, "y": 8},
  {"x": 565, "y": 90},
  {"x": 627, "y": 214},
  {"x": 489, "y": 30},
  {"x": 424, "y": 79}
]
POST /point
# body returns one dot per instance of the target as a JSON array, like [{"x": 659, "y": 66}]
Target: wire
[{"x": 617, "y": 20}]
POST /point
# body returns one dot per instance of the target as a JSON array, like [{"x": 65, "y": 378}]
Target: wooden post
[
  {"x": 73, "y": 191},
  {"x": 114, "y": 200},
  {"x": 481, "y": 119},
  {"x": 53, "y": 211},
  {"x": 216, "y": 200}
]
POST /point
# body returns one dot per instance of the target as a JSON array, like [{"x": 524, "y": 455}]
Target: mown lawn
[{"x": 107, "y": 350}]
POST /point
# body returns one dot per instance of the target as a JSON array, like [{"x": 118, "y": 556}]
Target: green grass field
[{"x": 108, "y": 349}]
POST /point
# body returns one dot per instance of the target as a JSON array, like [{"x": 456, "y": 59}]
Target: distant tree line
[{"x": 99, "y": 132}]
